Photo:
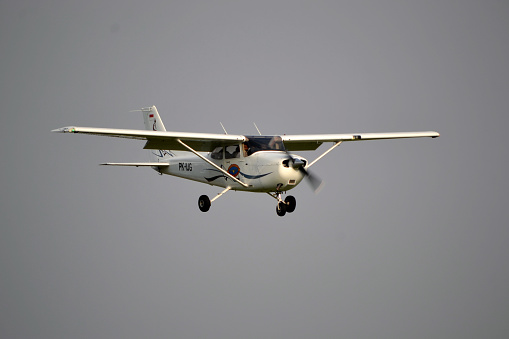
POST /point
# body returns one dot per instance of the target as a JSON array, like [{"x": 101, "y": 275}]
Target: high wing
[
  {"x": 201, "y": 142},
  {"x": 310, "y": 142}
]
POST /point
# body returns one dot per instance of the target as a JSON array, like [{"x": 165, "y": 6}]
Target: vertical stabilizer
[
  {"x": 152, "y": 119},
  {"x": 153, "y": 122}
]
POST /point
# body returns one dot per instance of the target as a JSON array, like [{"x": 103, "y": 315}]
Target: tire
[
  {"x": 291, "y": 203},
  {"x": 281, "y": 209},
  {"x": 204, "y": 203}
]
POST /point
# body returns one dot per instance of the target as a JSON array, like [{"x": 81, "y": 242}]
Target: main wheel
[
  {"x": 204, "y": 203},
  {"x": 290, "y": 203},
  {"x": 281, "y": 209}
]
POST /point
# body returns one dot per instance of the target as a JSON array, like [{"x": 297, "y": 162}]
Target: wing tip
[{"x": 68, "y": 129}]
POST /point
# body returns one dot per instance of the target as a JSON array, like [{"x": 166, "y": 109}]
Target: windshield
[{"x": 257, "y": 143}]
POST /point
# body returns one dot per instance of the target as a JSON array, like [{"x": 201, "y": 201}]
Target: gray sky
[{"x": 407, "y": 240}]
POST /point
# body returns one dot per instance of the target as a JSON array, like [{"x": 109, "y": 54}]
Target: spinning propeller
[{"x": 315, "y": 182}]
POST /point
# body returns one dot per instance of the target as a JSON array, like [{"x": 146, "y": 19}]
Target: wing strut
[
  {"x": 212, "y": 164},
  {"x": 325, "y": 153}
]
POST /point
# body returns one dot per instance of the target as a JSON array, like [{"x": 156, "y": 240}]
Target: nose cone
[
  {"x": 290, "y": 172},
  {"x": 297, "y": 163}
]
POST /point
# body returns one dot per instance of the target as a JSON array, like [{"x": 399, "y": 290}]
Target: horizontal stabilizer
[{"x": 137, "y": 164}]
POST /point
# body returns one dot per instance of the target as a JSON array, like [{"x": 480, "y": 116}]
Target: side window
[
  {"x": 231, "y": 152},
  {"x": 217, "y": 153}
]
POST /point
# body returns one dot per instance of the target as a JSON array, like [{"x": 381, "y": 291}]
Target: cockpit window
[
  {"x": 217, "y": 153},
  {"x": 231, "y": 152},
  {"x": 257, "y": 143}
]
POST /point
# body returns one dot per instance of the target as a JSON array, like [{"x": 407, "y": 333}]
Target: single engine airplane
[{"x": 257, "y": 163}]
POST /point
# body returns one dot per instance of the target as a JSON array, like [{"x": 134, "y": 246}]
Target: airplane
[{"x": 253, "y": 163}]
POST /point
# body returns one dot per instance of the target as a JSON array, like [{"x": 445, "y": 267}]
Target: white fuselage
[{"x": 263, "y": 171}]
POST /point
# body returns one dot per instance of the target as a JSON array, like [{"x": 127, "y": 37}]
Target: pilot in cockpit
[{"x": 246, "y": 149}]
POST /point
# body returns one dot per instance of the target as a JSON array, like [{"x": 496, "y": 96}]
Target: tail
[
  {"x": 152, "y": 119},
  {"x": 153, "y": 122}
]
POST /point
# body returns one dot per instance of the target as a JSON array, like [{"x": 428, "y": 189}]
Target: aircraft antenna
[
  {"x": 257, "y": 129},
  {"x": 224, "y": 129}
]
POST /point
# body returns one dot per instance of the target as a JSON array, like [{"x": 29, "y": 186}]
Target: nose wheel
[
  {"x": 284, "y": 206},
  {"x": 281, "y": 208},
  {"x": 291, "y": 203}
]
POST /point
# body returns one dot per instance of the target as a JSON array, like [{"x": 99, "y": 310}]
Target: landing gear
[
  {"x": 281, "y": 208},
  {"x": 204, "y": 203},
  {"x": 291, "y": 203}
]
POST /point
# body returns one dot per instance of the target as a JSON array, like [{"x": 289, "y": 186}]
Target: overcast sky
[{"x": 408, "y": 239}]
